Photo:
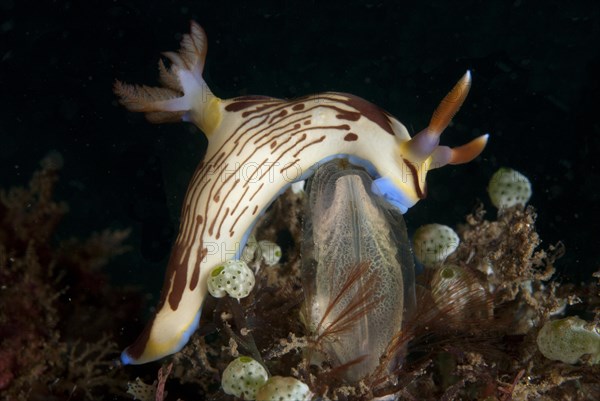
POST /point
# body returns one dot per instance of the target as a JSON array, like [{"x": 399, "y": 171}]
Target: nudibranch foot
[{"x": 257, "y": 147}]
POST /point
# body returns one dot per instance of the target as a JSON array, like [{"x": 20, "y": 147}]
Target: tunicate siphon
[{"x": 358, "y": 270}]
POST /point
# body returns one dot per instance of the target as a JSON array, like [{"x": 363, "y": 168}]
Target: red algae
[{"x": 55, "y": 334}]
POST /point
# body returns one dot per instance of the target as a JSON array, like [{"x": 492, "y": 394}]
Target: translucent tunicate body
[{"x": 358, "y": 271}]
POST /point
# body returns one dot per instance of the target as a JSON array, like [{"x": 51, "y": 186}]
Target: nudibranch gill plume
[{"x": 257, "y": 147}]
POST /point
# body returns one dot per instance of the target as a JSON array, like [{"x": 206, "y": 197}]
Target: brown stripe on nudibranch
[
  {"x": 289, "y": 165},
  {"x": 195, "y": 277},
  {"x": 258, "y": 169},
  {"x": 254, "y": 98},
  {"x": 237, "y": 218},
  {"x": 221, "y": 224},
  {"x": 292, "y": 131},
  {"x": 265, "y": 106},
  {"x": 285, "y": 141},
  {"x": 238, "y": 134},
  {"x": 415, "y": 174},
  {"x": 247, "y": 126},
  {"x": 346, "y": 114},
  {"x": 256, "y": 192},
  {"x": 284, "y": 152},
  {"x": 368, "y": 110},
  {"x": 244, "y": 102},
  {"x": 221, "y": 204},
  {"x": 242, "y": 130},
  {"x": 196, "y": 273},
  {"x": 185, "y": 224},
  {"x": 239, "y": 200},
  {"x": 281, "y": 114},
  {"x": 321, "y": 139},
  {"x": 269, "y": 133},
  {"x": 350, "y": 137},
  {"x": 221, "y": 156},
  {"x": 176, "y": 275}
]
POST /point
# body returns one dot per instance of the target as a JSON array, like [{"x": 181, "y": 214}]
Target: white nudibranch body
[
  {"x": 508, "y": 187},
  {"x": 257, "y": 147}
]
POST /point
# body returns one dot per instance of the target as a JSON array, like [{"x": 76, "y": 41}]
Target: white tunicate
[
  {"x": 249, "y": 250},
  {"x": 508, "y": 187},
  {"x": 433, "y": 243},
  {"x": 234, "y": 277},
  {"x": 568, "y": 340},
  {"x": 270, "y": 252},
  {"x": 53, "y": 161},
  {"x": 141, "y": 391},
  {"x": 348, "y": 229},
  {"x": 263, "y": 250},
  {"x": 243, "y": 377},
  {"x": 298, "y": 186},
  {"x": 280, "y": 388}
]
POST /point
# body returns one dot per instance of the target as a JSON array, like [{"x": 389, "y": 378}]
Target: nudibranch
[{"x": 257, "y": 147}]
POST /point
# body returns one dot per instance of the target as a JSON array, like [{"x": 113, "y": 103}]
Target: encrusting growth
[
  {"x": 432, "y": 243},
  {"x": 243, "y": 377},
  {"x": 508, "y": 187},
  {"x": 234, "y": 277},
  {"x": 569, "y": 340}
]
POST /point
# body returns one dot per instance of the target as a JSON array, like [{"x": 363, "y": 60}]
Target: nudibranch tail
[{"x": 184, "y": 95}]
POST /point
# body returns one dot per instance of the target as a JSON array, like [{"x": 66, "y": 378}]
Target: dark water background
[{"x": 536, "y": 80}]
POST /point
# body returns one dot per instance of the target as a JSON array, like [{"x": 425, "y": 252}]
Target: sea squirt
[{"x": 358, "y": 270}]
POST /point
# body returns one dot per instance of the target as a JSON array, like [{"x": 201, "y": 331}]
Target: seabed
[{"x": 61, "y": 318}]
